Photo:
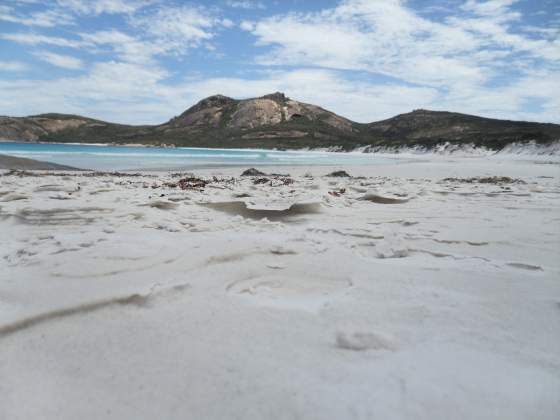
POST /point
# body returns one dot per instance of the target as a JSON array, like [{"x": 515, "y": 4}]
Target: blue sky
[{"x": 144, "y": 61}]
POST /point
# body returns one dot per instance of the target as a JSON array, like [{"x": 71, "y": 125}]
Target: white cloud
[
  {"x": 14, "y": 66},
  {"x": 62, "y": 12},
  {"x": 387, "y": 37},
  {"x": 165, "y": 30},
  {"x": 113, "y": 91},
  {"x": 160, "y": 30},
  {"x": 246, "y": 4},
  {"x": 98, "y": 7},
  {"x": 127, "y": 47},
  {"x": 494, "y": 8},
  {"x": 178, "y": 29},
  {"x": 36, "y": 39},
  {"x": 227, "y": 23},
  {"x": 59, "y": 60},
  {"x": 247, "y": 25},
  {"x": 120, "y": 81},
  {"x": 380, "y": 37},
  {"x": 47, "y": 18}
]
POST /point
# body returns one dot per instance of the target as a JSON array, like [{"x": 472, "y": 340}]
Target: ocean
[{"x": 119, "y": 158}]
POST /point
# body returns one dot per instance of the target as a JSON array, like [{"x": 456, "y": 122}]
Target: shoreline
[
  {"x": 8, "y": 162},
  {"x": 444, "y": 148},
  {"x": 18, "y": 163}
]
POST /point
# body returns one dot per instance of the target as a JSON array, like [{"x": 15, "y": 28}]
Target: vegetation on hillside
[{"x": 275, "y": 121}]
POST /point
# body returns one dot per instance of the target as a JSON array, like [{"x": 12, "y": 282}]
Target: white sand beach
[{"x": 393, "y": 294}]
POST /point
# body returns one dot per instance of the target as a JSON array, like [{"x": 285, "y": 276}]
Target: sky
[{"x": 145, "y": 61}]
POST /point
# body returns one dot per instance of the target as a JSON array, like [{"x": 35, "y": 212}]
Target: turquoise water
[{"x": 155, "y": 158}]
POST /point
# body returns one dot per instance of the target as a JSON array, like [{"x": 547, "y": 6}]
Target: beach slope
[{"x": 12, "y": 162}]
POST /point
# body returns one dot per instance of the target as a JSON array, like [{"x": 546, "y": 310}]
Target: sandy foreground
[{"x": 398, "y": 295}]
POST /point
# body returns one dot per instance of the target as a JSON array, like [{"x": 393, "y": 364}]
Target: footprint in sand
[
  {"x": 379, "y": 199},
  {"x": 361, "y": 341},
  {"x": 291, "y": 291},
  {"x": 162, "y": 205},
  {"x": 390, "y": 246}
]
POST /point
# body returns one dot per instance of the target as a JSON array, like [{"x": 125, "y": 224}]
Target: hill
[{"x": 276, "y": 121}]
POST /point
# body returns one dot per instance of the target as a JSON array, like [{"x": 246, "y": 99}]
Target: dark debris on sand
[
  {"x": 258, "y": 181},
  {"x": 256, "y": 172},
  {"x": 253, "y": 172},
  {"x": 192, "y": 183},
  {"x": 274, "y": 181},
  {"x": 339, "y": 174},
  {"x": 486, "y": 180},
  {"x": 337, "y": 193}
]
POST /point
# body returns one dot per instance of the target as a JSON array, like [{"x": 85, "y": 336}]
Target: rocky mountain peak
[
  {"x": 277, "y": 97},
  {"x": 213, "y": 101}
]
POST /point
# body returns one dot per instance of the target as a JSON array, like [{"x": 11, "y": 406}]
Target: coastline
[
  {"x": 444, "y": 148},
  {"x": 548, "y": 155},
  {"x": 17, "y": 163}
]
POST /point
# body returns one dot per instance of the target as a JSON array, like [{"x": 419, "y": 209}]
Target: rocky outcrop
[
  {"x": 256, "y": 113},
  {"x": 248, "y": 114},
  {"x": 35, "y": 127},
  {"x": 20, "y": 129}
]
